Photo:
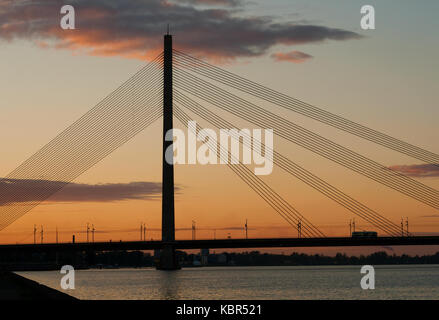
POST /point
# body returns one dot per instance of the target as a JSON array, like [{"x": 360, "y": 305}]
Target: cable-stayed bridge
[{"x": 171, "y": 85}]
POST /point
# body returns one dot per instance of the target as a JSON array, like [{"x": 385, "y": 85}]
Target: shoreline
[
  {"x": 16, "y": 287},
  {"x": 188, "y": 266}
]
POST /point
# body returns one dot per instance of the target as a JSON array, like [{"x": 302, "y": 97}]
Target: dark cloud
[
  {"x": 26, "y": 190},
  {"x": 418, "y": 170},
  {"x": 292, "y": 56},
  {"x": 133, "y": 28}
]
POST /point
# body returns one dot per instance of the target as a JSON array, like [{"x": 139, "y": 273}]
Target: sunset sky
[{"x": 315, "y": 51}]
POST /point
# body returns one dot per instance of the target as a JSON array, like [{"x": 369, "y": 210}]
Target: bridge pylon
[{"x": 168, "y": 259}]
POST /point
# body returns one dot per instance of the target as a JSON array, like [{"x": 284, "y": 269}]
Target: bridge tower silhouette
[{"x": 168, "y": 259}]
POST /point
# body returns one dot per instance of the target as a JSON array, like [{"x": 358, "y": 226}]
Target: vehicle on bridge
[{"x": 364, "y": 234}]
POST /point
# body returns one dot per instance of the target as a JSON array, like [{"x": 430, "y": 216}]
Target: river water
[{"x": 301, "y": 282}]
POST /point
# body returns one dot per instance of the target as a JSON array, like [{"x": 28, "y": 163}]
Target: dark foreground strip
[
  {"x": 15, "y": 287},
  {"x": 225, "y": 309}
]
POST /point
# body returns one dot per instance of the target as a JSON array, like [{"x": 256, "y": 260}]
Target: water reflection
[{"x": 169, "y": 284}]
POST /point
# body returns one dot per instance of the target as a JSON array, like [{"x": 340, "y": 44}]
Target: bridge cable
[
  {"x": 246, "y": 176},
  {"x": 262, "y": 189},
  {"x": 301, "y": 136},
  {"x": 250, "y": 87},
  {"x": 108, "y": 108},
  {"x": 321, "y": 145},
  {"x": 289, "y": 166},
  {"x": 50, "y": 156},
  {"x": 12, "y": 212},
  {"x": 80, "y": 147}
]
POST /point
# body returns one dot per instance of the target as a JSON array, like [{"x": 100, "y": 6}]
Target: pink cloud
[
  {"x": 418, "y": 170},
  {"x": 292, "y": 56}
]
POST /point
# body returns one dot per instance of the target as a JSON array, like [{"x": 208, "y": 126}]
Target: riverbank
[{"x": 15, "y": 287}]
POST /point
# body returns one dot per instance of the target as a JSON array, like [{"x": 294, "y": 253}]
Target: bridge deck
[{"x": 225, "y": 243}]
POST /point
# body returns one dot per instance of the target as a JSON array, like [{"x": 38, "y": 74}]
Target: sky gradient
[{"x": 314, "y": 51}]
